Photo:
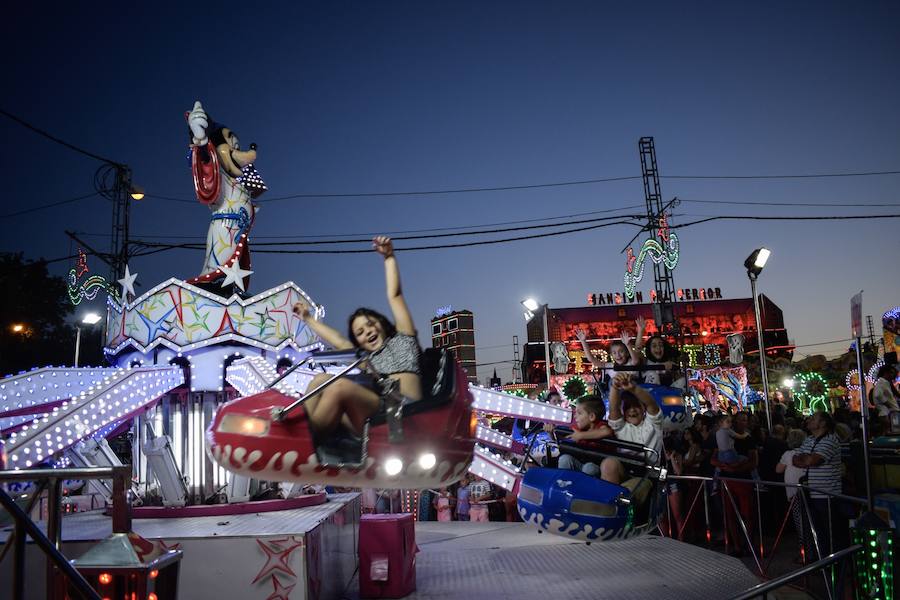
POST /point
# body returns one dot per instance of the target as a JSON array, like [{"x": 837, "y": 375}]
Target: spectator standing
[
  {"x": 884, "y": 395},
  {"x": 479, "y": 496},
  {"x": 820, "y": 458},
  {"x": 444, "y": 503},
  {"x": 792, "y": 476},
  {"x": 740, "y": 492},
  {"x": 462, "y": 499}
]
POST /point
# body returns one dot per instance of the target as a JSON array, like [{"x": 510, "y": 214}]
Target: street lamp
[
  {"x": 531, "y": 306},
  {"x": 88, "y": 319},
  {"x": 18, "y": 328},
  {"x": 754, "y": 265}
]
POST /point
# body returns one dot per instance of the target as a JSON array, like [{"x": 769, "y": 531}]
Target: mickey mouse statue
[{"x": 226, "y": 181}]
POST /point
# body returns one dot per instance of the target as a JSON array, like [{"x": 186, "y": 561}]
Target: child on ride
[
  {"x": 621, "y": 351},
  {"x": 635, "y": 417},
  {"x": 589, "y": 425},
  {"x": 659, "y": 352},
  {"x": 393, "y": 351}
]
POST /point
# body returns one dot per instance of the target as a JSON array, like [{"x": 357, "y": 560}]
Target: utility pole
[
  {"x": 517, "y": 363},
  {"x": 113, "y": 182},
  {"x": 871, "y": 327},
  {"x": 663, "y": 281}
]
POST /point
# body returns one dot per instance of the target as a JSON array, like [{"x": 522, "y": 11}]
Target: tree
[{"x": 33, "y": 310}]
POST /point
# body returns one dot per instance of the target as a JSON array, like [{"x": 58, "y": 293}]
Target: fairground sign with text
[{"x": 681, "y": 294}]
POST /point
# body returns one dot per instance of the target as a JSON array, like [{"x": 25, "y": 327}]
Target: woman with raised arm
[{"x": 393, "y": 352}]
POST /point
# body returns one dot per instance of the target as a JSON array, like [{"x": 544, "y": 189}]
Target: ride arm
[{"x": 402, "y": 318}]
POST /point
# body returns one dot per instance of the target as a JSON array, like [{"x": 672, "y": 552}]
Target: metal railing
[
  {"x": 824, "y": 548},
  {"x": 49, "y": 543},
  {"x": 819, "y": 565}
]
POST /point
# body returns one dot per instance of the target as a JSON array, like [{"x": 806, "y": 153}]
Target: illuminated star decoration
[
  {"x": 235, "y": 274},
  {"x": 281, "y": 592},
  {"x": 277, "y": 557},
  {"x": 127, "y": 283}
]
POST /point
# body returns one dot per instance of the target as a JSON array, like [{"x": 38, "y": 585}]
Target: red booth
[{"x": 387, "y": 556}]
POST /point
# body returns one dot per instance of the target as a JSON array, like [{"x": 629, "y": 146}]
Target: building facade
[
  {"x": 704, "y": 324},
  {"x": 455, "y": 331}
]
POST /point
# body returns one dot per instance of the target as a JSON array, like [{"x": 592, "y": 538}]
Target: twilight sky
[{"x": 347, "y": 97}]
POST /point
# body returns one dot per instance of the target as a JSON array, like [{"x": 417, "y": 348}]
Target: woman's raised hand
[
  {"x": 580, "y": 334},
  {"x": 303, "y": 310},
  {"x": 383, "y": 245}
]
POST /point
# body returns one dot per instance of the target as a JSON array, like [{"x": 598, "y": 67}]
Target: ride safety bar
[{"x": 283, "y": 414}]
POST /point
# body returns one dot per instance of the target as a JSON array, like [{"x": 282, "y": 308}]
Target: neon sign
[
  {"x": 89, "y": 287},
  {"x": 665, "y": 253}
]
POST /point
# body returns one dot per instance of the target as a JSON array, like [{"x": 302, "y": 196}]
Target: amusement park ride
[{"x": 194, "y": 381}]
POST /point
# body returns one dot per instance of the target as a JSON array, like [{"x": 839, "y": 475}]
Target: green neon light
[{"x": 658, "y": 253}]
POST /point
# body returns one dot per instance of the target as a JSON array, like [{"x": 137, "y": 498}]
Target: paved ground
[{"x": 499, "y": 561}]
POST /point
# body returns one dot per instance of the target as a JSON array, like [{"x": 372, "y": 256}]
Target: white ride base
[{"x": 297, "y": 554}]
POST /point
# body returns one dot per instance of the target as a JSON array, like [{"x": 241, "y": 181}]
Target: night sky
[{"x": 387, "y": 96}]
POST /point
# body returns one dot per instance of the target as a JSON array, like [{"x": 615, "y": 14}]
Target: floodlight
[
  {"x": 531, "y": 304},
  {"x": 756, "y": 261},
  {"x": 91, "y": 318}
]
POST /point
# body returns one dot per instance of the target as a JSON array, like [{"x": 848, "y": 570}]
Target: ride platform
[
  {"x": 511, "y": 561},
  {"x": 294, "y": 554}
]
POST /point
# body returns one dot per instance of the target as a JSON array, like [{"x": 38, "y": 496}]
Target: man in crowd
[{"x": 820, "y": 456}]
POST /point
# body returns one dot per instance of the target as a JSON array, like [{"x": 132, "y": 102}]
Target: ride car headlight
[
  {"x": 427, "y": 461},
  {"x": 673, "y": 400},
  {"x": 244, "y": 425},
  {"x": 393, "y": 466}
]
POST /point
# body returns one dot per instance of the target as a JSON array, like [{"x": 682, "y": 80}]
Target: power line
[
  {"x": 45, "y": 206},
  {"x": 751, "y": 203},
  {"x": 769, "y": 218},
  {"x": 469, "y": 190},
  {"x": 823, "y": 343},
  {"x": 444, "y": 235},
  {"x": 391, "y": 233},
  {"x": 55, "y": 139},
  {"x": 159, "y": 247},
  {"x": 434, "y": 247},
  {"x": 784, "y": 176}
]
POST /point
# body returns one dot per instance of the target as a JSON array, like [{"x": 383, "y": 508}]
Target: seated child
[{"x": 589, "y": 425}]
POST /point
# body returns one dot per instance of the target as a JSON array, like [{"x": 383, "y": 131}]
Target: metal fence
[{"x": 825, "y": 552}]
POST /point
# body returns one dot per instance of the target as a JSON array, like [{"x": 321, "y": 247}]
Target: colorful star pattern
[{"x": 183, "y": 314}]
